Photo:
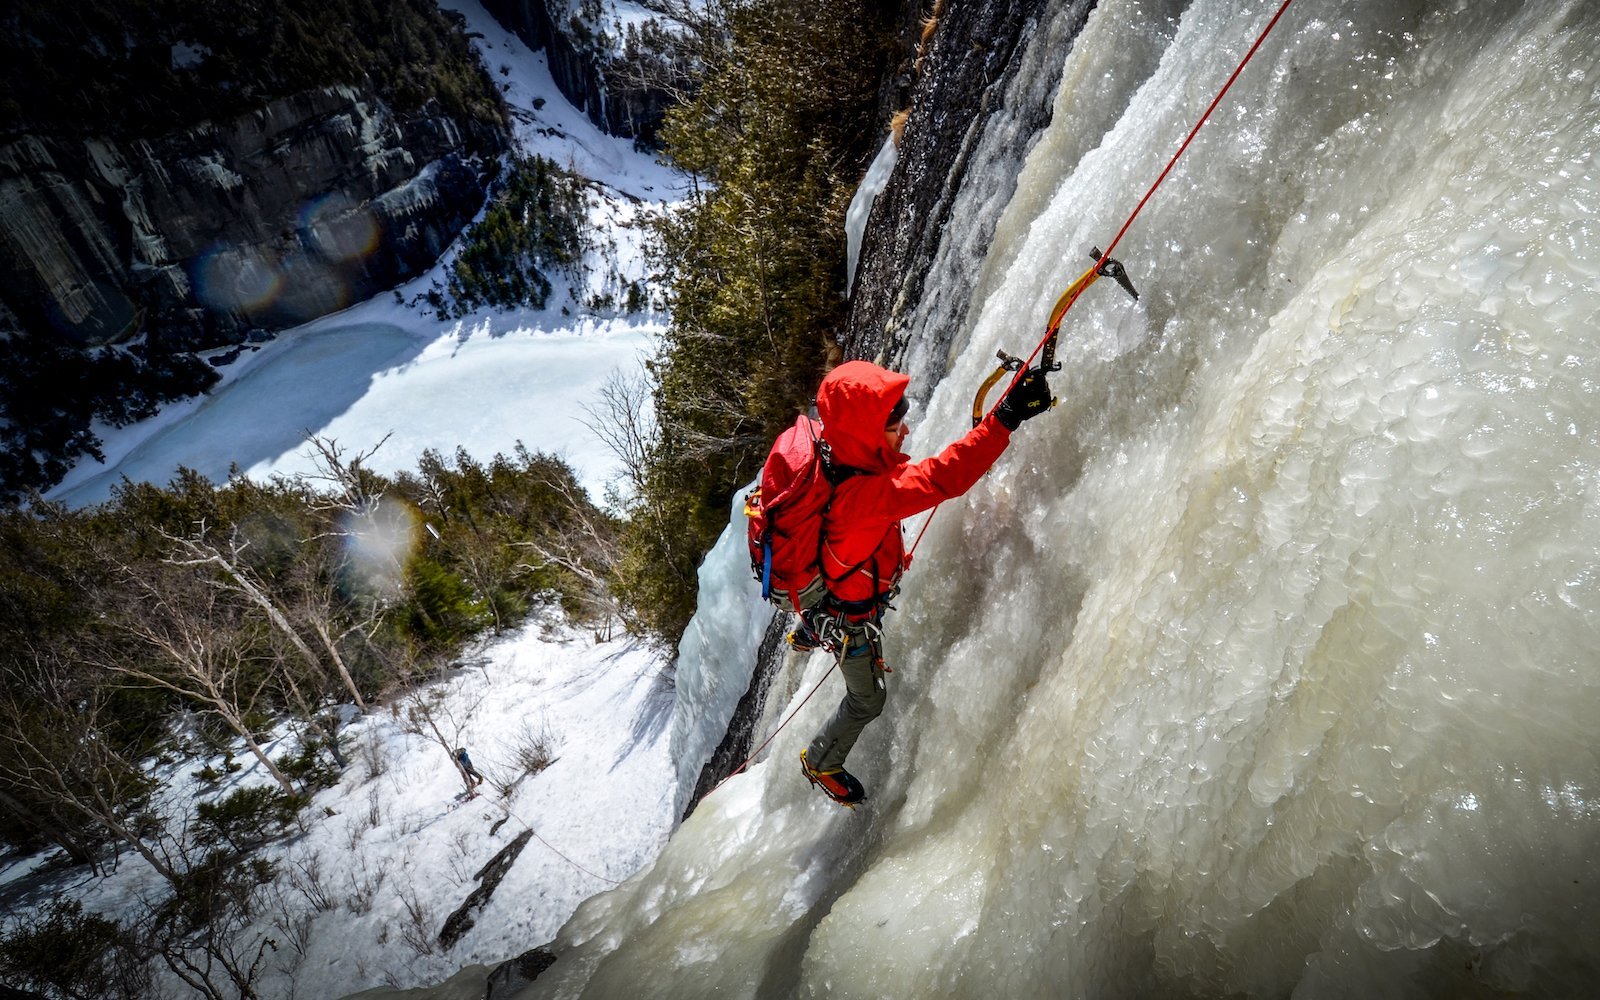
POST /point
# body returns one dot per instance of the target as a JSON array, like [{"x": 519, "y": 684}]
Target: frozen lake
[{"x": 358, "y": 381}]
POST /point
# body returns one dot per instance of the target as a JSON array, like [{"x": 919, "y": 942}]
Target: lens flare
[
  {"x": 338, "y": 228},
  {"x": 236, "y": 279},
  {"x": 378, "y": 545}
]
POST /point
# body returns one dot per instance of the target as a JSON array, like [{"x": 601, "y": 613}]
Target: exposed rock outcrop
[
  {"x": 510, "y": 977},
  {"x": 741, "y": 733},
  {"x": 488, "y": 878},
  {"x": 620, "y": 83},
  {"x": 989, "y": 107},
  {"x": 306, "y": 205}
]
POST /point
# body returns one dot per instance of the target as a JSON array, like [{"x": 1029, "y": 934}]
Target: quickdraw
[{"x": 1104, "y": 266}]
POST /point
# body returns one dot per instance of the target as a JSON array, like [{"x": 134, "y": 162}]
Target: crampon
[{"x": 839, "y": 785}]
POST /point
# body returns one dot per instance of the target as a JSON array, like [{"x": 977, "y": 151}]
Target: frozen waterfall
[
  {"x": 1264, "y": 665},
  {"x": 855, "y": 217}
]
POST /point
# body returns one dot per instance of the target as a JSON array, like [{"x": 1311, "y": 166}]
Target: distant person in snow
[
  {"x": 474, "y": 779},
  {"x": 863, "y": 408}
]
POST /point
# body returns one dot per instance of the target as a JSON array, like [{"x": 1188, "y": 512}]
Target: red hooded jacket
[{"x": 862, "y": 551}]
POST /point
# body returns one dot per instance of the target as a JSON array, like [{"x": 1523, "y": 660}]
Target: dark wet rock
[
  {"x": 510, "y": 978},
  {"x": 196, "y": 238},
  {"x": 488, "y": 878},
  {"x": 739, "y": 739},
  {"x": 974, "y": 90}
]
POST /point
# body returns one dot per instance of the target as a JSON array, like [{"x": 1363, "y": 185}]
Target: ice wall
[
  {"x": 855, "y": 217},
  {"x": 1265, "y": 664},
  {"x": 717, "y": 652}
]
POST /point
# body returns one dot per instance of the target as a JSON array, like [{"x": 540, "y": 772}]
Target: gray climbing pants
[{"x": 865, "y": 693}]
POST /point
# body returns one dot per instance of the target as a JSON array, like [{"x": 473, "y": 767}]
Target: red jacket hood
[{"x": 854, "y": 402}]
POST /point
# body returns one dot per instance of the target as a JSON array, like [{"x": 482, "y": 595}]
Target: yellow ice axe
[{"x": 1103, "y": 266}]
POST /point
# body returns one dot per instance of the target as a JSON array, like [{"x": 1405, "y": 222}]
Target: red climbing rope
[
  {"x": 765, "y": 743},
  {"x": 1204, "y": 117},
  {"x": 1196, "y": 130},
  {"x": 1051, "y": 329}
]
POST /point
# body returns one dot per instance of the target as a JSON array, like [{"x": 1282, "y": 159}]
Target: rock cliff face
[
  {"x": 606, "y": 77},
  {"x": 973, "y": 100},
  {"x": 301, "y": 207}
]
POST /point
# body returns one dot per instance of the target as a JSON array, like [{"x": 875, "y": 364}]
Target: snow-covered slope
[
  {"x": 386, "y": 849},
  {"x": 387, "y": 854}
]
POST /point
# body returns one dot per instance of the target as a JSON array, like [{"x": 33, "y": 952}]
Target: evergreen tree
[
  {"x": 776, "y": 137},
  {"x": 535, "y": 226},
  {"x": 237, "y": 603}
]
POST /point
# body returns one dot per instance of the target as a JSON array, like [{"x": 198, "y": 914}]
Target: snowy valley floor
[
  {"x": 386, "y": 855},
  {"x": 388, "y": 370}
]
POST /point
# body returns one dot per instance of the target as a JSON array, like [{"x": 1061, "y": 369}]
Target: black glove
[{"x": 1028, "y": 398}]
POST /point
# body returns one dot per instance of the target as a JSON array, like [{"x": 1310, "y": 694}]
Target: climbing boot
[{"x": 838, "y": 784}]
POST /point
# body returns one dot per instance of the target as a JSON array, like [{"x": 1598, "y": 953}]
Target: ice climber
[
  {"x": 474, "y": 779},
  {"x": 863, "y": 409}
]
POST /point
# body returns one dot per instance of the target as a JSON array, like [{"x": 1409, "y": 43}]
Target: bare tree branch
[
  {"x": 355, "y": 488},
  {"x": 55, "y": 747},
  {"x": 624, "y": 419},
  {"x": 197, "y": 551},
  {"x": 427, "y": 715},
  {"x": 198, "y": 642}
]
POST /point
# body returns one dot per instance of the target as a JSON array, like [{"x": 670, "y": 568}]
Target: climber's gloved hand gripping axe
[{"x": 1103, "y": 267}]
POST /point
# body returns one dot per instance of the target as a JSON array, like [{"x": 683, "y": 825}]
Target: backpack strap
[
  {"x": 833, "y": 470},
  {"x": 858, "y": 567},
  {"x": 766, "y": 566}
]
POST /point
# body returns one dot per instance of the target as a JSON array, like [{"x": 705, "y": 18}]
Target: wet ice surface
[
  {"x": 855, "y": 221},
  {"x": 1264, "y": 664}
]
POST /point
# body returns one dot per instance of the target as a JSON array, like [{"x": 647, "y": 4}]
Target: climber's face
[{"x": 896, "y": 434}]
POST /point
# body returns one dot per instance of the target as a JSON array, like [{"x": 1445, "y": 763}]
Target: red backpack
[{"x": 785, "y": 512}]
